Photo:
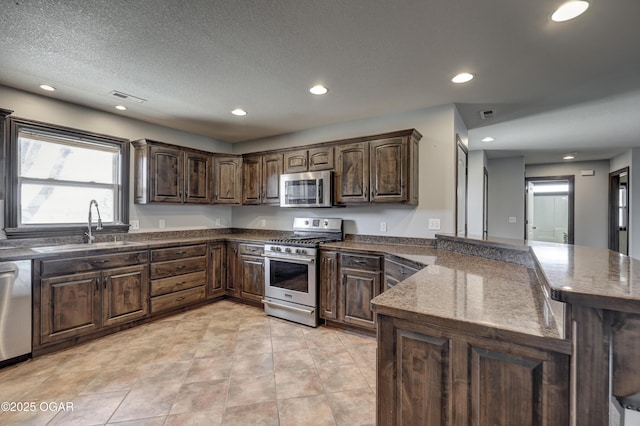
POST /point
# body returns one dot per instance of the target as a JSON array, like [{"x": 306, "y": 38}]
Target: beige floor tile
[
  {"x": 263, "y": 414},
  {"x": 254, "y": 345},
  {"x": 249, "y": 390},
  {"x": 89, "y": 409},
  {"x": 111, "y": 380},
  {"x": 369, "y": 374},
  {"x": 62, "y": 386},
  {"x": 293, "y": 360},
  {"x": 196, "y": 418},
  {"x": 349, "y": 338},
  {"x": 201, "y": 396},
  {"x": 159, "y": 373},
  {"x": 286, "y": 343},
  {"x": 14, "y": 388},
  {"x": 317, "y": 338},
  {"x": 285, "y": 328},
  {"x": 27, "y": 418},
  {"x": 215, "y": 349},
  {"x": 309, "y": 410},
  {"x": 342, "y": 378},
  {"x": 296, "y": 383},
  {"x": 203, "y": 369},
  {"x": 354, "y": 407},
  {"x": 152, "y": 421},
  {"x": 363, "y": 354},
  {"x": 252, "y": 365},
  {"x": 148, "y": 402},
  {"x": 331, "y": 356}
]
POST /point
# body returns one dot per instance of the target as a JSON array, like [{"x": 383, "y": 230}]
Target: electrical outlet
[
  {"x": 512, "y": 219},
  {"x": 434, "y": 224},
  {"x": 217, "y": 221},
  {"x": 161, "y": 223},
  {"x": 263, "y": 223},
  {"x": 383, "y": 226},
  {"x": 135, "y": 224}
]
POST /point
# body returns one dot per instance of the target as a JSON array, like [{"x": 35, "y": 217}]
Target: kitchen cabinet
[
  {"x": 76, "y": 296},
  {"x": 217, "y": 270},
  {"x": 227, "y": 182},
  {"x": 252, "y": 270},
  {"x": 170, "y": 174},
  {"x": 397, "y": 270},
  {"x": 429, "y": 375},
  {"x": 178, "y": 276},
  {"x": 234, "y": 270},
  {"x": 378, "y": 171},
  {"x": 305, "y": 160},
  {"x": 261, "y": 178},
  {"x": 328, "y": 285}
]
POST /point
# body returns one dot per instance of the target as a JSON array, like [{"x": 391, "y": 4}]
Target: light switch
[
  {"x": 161, "y": 223},
  {"x": 434, "y": 224},
  {"x": 383, "y": 226},
  {"x": 512, "y": 219},
  {"x": 135, "y": 224}
]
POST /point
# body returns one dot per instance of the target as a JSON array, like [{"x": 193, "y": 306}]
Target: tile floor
[{"x": 222, "y": 364}]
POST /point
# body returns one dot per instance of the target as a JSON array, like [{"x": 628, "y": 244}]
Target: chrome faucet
[{"x": 90, "y": 237}]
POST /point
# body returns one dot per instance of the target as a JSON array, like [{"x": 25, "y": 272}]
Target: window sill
[{"x": 66, "y": 231}]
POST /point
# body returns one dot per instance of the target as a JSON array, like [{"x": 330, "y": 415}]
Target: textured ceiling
[{"x": 194, "y": 61}]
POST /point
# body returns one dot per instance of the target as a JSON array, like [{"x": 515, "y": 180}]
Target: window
[{"x": 55, "y": 172}]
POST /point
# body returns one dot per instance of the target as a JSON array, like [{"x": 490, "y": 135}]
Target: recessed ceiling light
[
  {"x": 121, "y": 107},
  {"x": 463, "y": 77},
  {"x": 318, "y": 89},
  {"x": 569, "y": 156},
  {"x": 239, "y": 112},
  {"x": 570, "y": 10},
  {"x": 488, "y": 139},
  {"x": 47, "y": 87}
]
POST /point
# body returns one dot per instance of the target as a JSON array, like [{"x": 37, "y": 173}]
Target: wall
[
  {"x": 46, "y": 109},
  {"x": 477, "y": 163},
  {"x": 506, "y": 197},
  {"x": 591, "y": 198},
  {"x": 436, "y": 184}
]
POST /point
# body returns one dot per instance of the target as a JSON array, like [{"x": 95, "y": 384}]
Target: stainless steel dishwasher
[{"x": 15, "y": 310}]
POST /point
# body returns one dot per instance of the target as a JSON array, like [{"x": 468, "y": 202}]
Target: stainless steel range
[{"x": 291, "y": 272}]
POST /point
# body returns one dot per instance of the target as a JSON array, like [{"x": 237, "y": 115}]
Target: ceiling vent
[
  {"x": 131, "y": 98},
  {"x": 486, "y": 114}
]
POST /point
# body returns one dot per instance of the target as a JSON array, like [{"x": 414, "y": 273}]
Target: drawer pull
[
  {"x": 403, "y": 272},
  {"x": 180, "y": 252},
  {"x": 180, "y": 267},
  {"x": 180, "y": 299},
  {"x": 181, "y": 283},
  {"x": 101, "y": 261}
]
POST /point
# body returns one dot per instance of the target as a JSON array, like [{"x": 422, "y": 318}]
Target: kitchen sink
[{"x": 85, "y": 246}]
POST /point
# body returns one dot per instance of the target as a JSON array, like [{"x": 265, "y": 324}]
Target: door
[
  {"x": 328, "y": 284},
  {"x": 125, "y": 294},
  {"x": 352, "y": 173},
  {"x": 461, "y": 187},
  {"x": 252, "y": 278},
  {"x": 619, "y": 211},
  {"x": 166, "y": 180},
  {"x": 228, "y": 180},
  {"x": 388, "y": 170},
  {"x": 358, "y": 288},
  {"x": 251, "y": 180},
  {"x": 549, "y": 209},
  {"x": 234, "y": 271},
  {"x": 271, "y": 171}
]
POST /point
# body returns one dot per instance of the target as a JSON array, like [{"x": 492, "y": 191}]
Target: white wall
[
  {"x": 437, "y": 184},
  {"x": 49, "y": 110},
  {"x": 506, "y": 197},
  {"x": 477, "y": 163},
  {"x": 591, "y": 198}
]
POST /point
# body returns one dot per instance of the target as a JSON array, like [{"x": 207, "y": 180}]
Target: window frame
[{"x": 12, "y": 181}]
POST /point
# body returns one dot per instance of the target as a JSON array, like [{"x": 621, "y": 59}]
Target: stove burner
[{"x": 301, "y": 241}]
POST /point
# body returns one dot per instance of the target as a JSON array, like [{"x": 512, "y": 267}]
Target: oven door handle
[
  {"x": 294, "y": 259},
  {"x": 290, "y": 308}
]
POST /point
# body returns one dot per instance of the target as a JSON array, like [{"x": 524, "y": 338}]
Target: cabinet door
[
  {"x": 125, "y": 294},
  {"x": 358, "y": 287},
  {"x": 227, "y": 180},
  {"x": 70, "y": 306},
  {"x": 217, "y": 270},
  {"x": 388, "y": 170},
  {"x": 234, "y": 271},
  {"x": 197, "y": 178},
  {"x": 166, "y": 174},
  {"x": 328, "y": 285},
  {"x": 251, "y": 180},
  {"x": 252, "y": 278},
  {"x": 352, "y": 173},
  {"x": 271, "y": 171},
  {"x": 321, "y": 158},
  {"x": 295, "y": 161}
]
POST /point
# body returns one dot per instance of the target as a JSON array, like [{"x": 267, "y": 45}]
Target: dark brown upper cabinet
[
  {"x": 261, "y": 178},
  {"x": 313, "y": 159},
  {"x": 227, "y": 183},
  {"x": 378, "y": 171},
  {"x": 169, "y": 174}
]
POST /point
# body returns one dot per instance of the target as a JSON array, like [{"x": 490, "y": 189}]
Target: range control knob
[
  {"x": 301, "y": 251},
  {"x": 288, "y": 250},
  {"x": 306, "y": 222}
]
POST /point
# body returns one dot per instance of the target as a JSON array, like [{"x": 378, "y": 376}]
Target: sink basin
[{"x": 84, "y": 246}]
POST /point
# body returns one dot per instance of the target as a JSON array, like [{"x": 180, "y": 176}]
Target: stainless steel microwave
[{"x": 306, "y": 189}]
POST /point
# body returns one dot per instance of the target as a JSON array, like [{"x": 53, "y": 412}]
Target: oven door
[{"x": 291, "y": 278}]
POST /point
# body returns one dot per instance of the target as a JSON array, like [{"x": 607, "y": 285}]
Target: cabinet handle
[
  {"x": 180, "y": 299},
  {"x": 180, "y": 266},
  {"x": 104, "y": 282},
  {"x": 97, "y": 284},
  {"x": 180, "y": 252},
  {"x": 358, "y": 261},
  {"x": 181, "y": 283},
  {"x": 101, "y": 261},
  {"x": 403, "y": 272}
]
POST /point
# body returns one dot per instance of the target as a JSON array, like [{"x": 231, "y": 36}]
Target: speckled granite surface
[
  {"x": 424, "y": 255},
  {"x": 496, "y": 249}
]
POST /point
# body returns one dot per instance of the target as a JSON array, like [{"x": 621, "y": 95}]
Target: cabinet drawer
[
  {"x": 398, "y": 270},
  {"x": 174, "y": 253},
  {"x": 178, "y": 267},
  {"x": 251, "y": 249},
  {"x": 358, "y": 261},
  {"x": 177, "y": 299},
  {"x": 91, "y": 263},
  {"x": 177, "y": 283}
]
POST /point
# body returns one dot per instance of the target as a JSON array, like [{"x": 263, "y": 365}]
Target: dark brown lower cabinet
[
  {"x": 435, "y": 376},
  {"x": 217, "y": 270},
  {"x": 245, "y": 273}
]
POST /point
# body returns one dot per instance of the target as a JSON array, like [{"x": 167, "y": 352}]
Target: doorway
[
  {"x": 461, "y": 187},
  {"x": 619, "y": 211},
  {"x": 549, "y": 204}
]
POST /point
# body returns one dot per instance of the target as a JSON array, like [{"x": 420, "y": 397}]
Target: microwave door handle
[{"x": 319, "y": 183}]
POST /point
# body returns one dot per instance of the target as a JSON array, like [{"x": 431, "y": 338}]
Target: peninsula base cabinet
[
  {"x": 74, "y": 297},
  {"x": 432, "y": 375}
]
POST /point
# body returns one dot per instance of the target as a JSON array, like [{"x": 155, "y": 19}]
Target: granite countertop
[{"x": 424, "y": 255}]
